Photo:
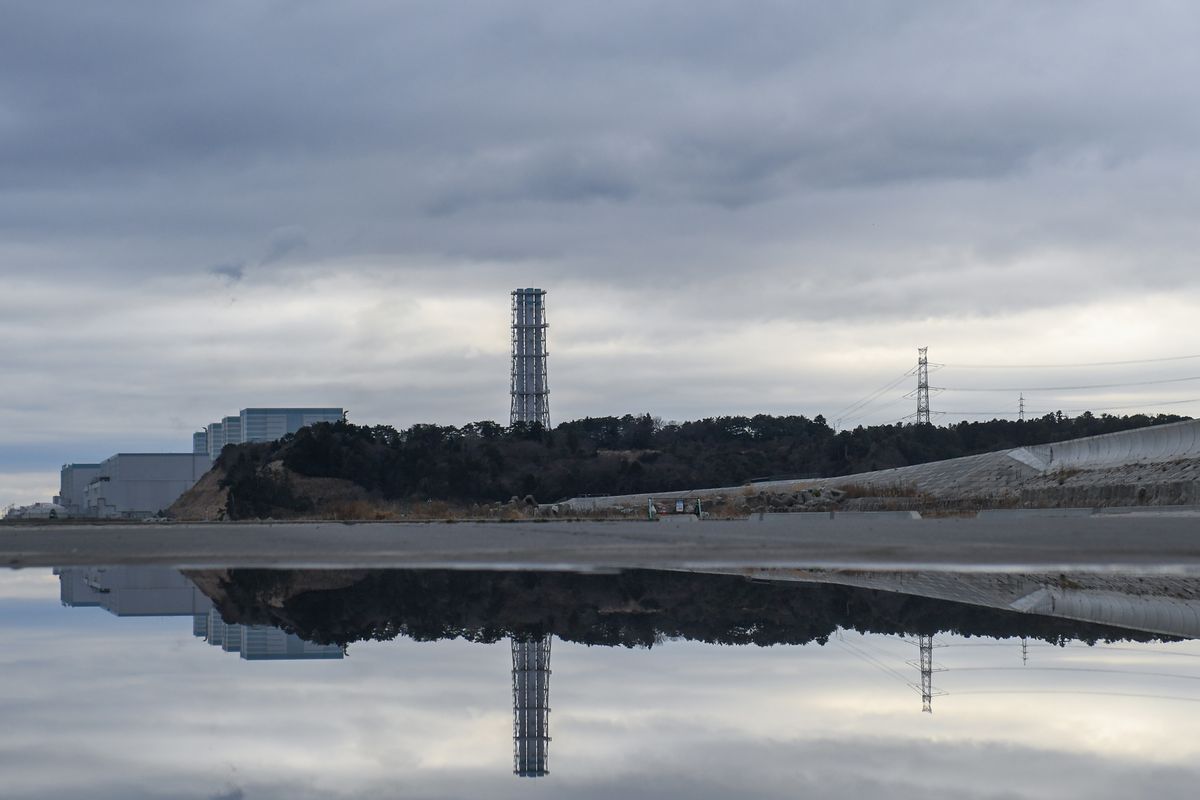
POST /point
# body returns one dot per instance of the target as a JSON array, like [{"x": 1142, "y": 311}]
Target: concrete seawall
[
  {"x": 1158, "y": 443},
  {"x": 1038, "y": 473}
]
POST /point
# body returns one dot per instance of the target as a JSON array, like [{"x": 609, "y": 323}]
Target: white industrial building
[
  {"x": 138, "y": 485},
  {"x": 73, "y": 481},
  {"x": 215, "y": 439},
  {"x": 260, "y": 425},
  {"x": 37, "y": 511}
]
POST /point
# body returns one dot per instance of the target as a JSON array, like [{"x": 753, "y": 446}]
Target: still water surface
[{"x": 129, "y": 683}]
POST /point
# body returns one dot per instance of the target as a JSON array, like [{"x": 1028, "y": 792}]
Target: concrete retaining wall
[
  {"x": 1005, "y": 474},
  {"x": 1159, "y": 443}
]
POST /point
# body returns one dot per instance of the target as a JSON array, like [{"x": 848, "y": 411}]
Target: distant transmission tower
[
  {"x": 530, "y": 394},
  {"x": 923, "y": 386},
  {"x": 531, "y": 706},
  {"x": 1021, "y": 407}
]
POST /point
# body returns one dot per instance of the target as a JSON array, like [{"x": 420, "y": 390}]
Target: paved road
[{"x": 1169, "y": 543}]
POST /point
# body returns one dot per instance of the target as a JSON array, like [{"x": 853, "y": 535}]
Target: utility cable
[
  {"x": 872, "y": 396},
  {"x": 873, "y": 406},
  {"x": 1072, "y": 366},
  {"x": 1065, "y": 389},
  {"x": 1036, "y": 414}
]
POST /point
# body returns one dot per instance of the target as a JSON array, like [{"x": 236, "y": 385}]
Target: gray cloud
[
  {"x": 904, "y": 171},
  {"x": 284, "y": 242},
  {"x": 231, "y": 273}
]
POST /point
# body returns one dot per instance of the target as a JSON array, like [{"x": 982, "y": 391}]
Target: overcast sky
[{"x": 735, "y": 207}]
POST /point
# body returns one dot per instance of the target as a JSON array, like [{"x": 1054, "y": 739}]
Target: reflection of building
[
  {"x": 132, "y": 591},
  {"x": 262, "y": 425},
  {"x": 259, "y": 642},
  {"x": 531, "y": 706},
  {"x": 165, "y": 592}
]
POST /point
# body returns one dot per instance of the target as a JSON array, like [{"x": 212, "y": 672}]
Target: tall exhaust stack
[{"x": 530, "y": 394}]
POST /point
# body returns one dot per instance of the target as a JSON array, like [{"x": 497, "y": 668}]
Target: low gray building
[
  {"x": 73, "y": 481},
  {"x": 138, "y": 485}
]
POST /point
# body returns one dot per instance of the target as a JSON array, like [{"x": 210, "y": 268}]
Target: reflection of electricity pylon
[
  {"x": 531, "y": 706},
  {"x": 925, "y": 665}
]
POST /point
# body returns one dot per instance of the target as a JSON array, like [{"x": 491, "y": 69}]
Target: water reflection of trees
[{"x": 635, "y": 608}]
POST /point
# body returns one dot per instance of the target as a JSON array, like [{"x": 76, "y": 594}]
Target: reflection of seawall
[
  {"x": 531, "y": 706},
  {"x": 164, "y": 592},
  {"x": 1163, "y": 605}
]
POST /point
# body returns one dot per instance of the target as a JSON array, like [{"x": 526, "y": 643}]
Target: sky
[
  {"x": 140, "y": 708},
  {"x": 750, "y": 207}
]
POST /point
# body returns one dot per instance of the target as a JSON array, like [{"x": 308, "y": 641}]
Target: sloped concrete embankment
[{"x": 1159, "y": 465}]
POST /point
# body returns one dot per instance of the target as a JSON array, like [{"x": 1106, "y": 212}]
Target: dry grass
[
  {"x": 855, "y": 490},
  {"x": 1062, "y": 475}
]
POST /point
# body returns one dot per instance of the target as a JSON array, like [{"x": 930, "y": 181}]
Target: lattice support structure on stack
[
  {"x": 530, "y": 392},
  {"x": 531, "y": 706},
  {"x": 923, "y": 386}
]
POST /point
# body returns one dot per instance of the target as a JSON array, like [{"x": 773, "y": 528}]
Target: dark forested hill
[{"x": 487, "y": 462}]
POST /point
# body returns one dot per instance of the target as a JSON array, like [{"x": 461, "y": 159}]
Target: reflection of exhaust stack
[
  {"x": 530, "y": 394},
  {"x": 531, "y": 706}
]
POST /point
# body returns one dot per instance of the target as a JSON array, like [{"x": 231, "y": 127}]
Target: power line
[
  {"x": 869, "y": 398},
  {"x": 870, "y": 659},
  {"x": 1068, "y": 388},
  {"x": 1135, "y": 695},
  {"x": 1074, "y": 410},
  {"x": 1072, "y": 366},
  {"x": 1103, "y": 670},
  {"x": 873, "y": 408}
]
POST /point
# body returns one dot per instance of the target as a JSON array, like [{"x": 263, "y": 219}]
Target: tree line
[{"x": 484, "y": 462}]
